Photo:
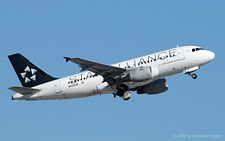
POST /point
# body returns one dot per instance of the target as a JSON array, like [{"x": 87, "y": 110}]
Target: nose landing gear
[
  {"x": 194, "y": 76},
  {"x": 190, "y": 71}
]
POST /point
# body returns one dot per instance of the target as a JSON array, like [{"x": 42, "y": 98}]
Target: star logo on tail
[{"x": 29, "y": 74}]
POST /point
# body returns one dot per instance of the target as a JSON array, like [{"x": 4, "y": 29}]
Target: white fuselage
[{"x": 84, "y": 84}]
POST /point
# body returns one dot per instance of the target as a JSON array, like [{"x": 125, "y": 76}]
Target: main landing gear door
[{"x": 57, "y": 87}]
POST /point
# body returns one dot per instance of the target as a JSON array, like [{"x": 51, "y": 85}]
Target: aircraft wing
[{"x": 108, "y": 72}]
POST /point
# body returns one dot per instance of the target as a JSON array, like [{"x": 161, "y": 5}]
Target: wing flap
[{"x": 24, "y": 90}]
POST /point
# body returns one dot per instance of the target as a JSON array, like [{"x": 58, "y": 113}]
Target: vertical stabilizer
[{"x": 28, "y": 74}]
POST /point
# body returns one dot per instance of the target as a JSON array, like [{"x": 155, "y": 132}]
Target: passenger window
[
  {"x": 193, "y": 50},
  {"x": 197, "y": 49}
]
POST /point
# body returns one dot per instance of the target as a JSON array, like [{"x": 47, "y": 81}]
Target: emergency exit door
[
  {"x": 180, "y": 53},
  {"x": 57, "y": 87}
]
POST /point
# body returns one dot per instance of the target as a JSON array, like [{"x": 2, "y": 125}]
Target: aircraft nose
[{"x": 211, "y": 55}]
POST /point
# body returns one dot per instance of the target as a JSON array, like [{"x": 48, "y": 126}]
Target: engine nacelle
[
  {"x": 141, "y": 74},
  {"x": 155, "y": 87}
]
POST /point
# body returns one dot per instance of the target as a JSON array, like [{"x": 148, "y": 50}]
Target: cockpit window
[{"x": 197, "y": 49}]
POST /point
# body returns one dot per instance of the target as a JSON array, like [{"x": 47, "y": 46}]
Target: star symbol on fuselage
[{"x": 29, "y": 74}]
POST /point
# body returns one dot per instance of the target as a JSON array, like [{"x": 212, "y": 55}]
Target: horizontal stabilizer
[{"x": 24, "y": 90}]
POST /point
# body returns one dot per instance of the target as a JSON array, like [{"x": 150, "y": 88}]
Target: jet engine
[
  {"x": 155, "y": 87},
  {"x": 141, "y": 74}
]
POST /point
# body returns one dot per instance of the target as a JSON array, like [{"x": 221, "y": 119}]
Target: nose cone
[{"x": 211, "y": 55}]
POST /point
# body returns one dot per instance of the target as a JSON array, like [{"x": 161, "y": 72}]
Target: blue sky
[{"x": 110, "y": 32}]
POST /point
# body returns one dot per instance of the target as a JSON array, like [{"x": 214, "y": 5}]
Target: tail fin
[{"x": 28, "y": 74}]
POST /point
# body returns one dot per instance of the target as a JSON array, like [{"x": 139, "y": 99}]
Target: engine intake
[{"x": 155, "y": 87}]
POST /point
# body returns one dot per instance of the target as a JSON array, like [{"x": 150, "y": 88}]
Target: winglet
[{"x": 67, "y": 58}]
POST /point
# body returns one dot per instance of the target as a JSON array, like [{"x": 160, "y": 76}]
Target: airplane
[{"x": 145, "y": 75}]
